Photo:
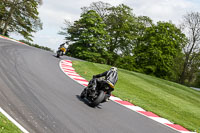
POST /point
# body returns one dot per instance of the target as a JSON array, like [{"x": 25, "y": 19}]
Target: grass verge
[
  {"x": 170, "y": 100},
  {"x": 7, "y": 126}
]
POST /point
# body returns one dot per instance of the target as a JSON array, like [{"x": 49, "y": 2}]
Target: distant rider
[
  {"x": 110, "y": 76},
  {"x": 63, "y": 46}
]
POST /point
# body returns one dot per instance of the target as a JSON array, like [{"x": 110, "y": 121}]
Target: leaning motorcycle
[
  {"x": 60, "y": 52},
  {"x": 99, "y": 95}
]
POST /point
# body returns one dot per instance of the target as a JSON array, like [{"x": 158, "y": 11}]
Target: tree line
[
  {"x": 20, "y": 16},
  {"x": 115, "y": 36},
  {"x": 36, "y": 45}
]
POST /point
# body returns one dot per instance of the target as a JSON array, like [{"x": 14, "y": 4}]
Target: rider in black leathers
[{"x": 110, "y": 76}]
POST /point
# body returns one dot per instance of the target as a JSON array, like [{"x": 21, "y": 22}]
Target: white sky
[{"x": 53, "y": 12}]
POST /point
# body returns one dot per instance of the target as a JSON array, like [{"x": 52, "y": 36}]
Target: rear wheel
[
  {"x": 106, "y": 98},
  {"x": 99, "y": 99}
]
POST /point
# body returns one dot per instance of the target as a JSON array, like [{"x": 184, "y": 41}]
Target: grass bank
[
  {"x": 170, "y": 100},
  {"x": 7, "y": 126}
]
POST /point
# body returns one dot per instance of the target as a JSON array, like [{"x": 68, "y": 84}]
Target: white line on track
[{"x": 13, "y": 121}]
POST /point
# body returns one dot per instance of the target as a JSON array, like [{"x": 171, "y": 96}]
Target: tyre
[
  {"x": 83, "y": 94},
  {"x": 58, "y": 54},
  {"x": 99, "y": 99},
  {"x": 106, "y": 98}
]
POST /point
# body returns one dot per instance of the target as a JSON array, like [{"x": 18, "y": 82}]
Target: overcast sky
[{"x": 53, "y": 12}]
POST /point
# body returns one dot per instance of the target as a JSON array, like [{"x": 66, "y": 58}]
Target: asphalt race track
[{"x": 38, "y": 95}]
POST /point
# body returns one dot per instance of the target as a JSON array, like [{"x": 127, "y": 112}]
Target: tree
[
  {"x": 3, "y": 5},
  {"x": 88, "y": 38},
  {"x": 121, "y": 26},
  {"x": 158, "y": 48},
  {"x": 191, "y": 26},
  {"x": 64, "y": 30},
  {"x": 100, "y": 7},
  {"x": 127, "y": 61},
  {"x": 20, "y": 16}
]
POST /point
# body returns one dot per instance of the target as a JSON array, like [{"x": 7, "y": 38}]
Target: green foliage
[
  {"x": 6, "y": 34},
  {"x": 19, "y": 16},
  {"x": 100, "y": 7},
  {"x": 36, "y": 45},
  {"x": 177, "y": 67},
  {"x": 2, "y": 16},
  {"x": 121, "y": 26},
  {"x": 197, "y": 80},
  {"x": 89, "y": 37},
  {"x": 7, "y": 126},
  {"x": 127, "y": 62},
  {"x": 114, "y": 35},
  {"x": 158, "y": 48}
]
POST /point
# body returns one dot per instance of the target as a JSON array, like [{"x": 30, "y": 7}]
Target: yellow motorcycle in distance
[{"x": 60, "y": 51}]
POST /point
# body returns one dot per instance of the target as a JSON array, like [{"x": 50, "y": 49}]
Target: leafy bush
[{"x": 36, "y": 45}]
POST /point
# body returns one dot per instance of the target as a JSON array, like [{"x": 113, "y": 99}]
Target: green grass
[
  {"x": 7, "y": 126},
  {"x": 175, "y": 102}
]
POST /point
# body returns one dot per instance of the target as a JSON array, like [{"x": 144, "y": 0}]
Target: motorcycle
[
  {"x": 60, "y": 52},
  {"x": 97, "y": 96}
]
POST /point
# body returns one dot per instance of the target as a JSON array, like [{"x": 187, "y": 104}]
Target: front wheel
[
  {"x": 83, "y": 94},
  {"x": 58, "y": 54}
]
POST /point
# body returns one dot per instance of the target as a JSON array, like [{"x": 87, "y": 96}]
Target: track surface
[{"x": 37, "y": 94}]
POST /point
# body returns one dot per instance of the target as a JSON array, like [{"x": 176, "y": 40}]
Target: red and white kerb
[{"x": 66, "y": 67}]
